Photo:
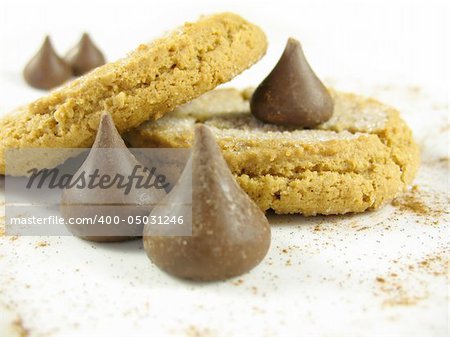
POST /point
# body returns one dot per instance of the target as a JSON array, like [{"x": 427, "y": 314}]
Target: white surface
[{"x": 394, "y": 50}]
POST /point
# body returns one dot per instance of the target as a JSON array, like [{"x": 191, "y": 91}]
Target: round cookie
[
  {"x": 358, "y": 160},
  {"x": 150, "y": 81}
]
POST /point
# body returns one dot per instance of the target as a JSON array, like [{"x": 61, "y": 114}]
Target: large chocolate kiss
[
  {"x": 46, "y": 69},
  {"x": 109, "y": 157},
  {"x": 292, "y": 95},
  {"x": 230, "y": 234},
  {"x": 85, "y": 56}
]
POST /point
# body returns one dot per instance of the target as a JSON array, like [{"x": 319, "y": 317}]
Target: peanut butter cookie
[
  {"x": 358, "y": 160},
  {"x": 150, "y": 81}
]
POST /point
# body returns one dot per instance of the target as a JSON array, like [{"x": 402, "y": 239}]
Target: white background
[
  {"x": 375, "y": 42},
  {"x": 394, "y": 50}
]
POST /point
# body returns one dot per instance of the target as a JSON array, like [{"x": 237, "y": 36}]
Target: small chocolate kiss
[
  {"x": 109, "y": 156},
  {"x": 292, "y": 95},
  {"x": 85, "y": 56},
  {"x": 46, "y": 69},
  {"x": 230, "y": 234}
]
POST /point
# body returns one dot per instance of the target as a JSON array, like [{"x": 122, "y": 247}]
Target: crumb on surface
[
  {"x": 193, "y": 331},
  {"x": 406, "y": 286},
  {"x": 19, "y": 328},
  {"x": 238, "y": 282},
  {"x": 42, "y": 244},
  {"x": 420, "y": 203}
]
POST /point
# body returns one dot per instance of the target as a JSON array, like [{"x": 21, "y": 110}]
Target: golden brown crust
[
  {"x": 360, "y": 159},
  {"x": 152, "y": 80}
]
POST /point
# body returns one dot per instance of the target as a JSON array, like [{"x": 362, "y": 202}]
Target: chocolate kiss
[
  {"x": 46, "y": 69},
  {"x": 292, "y": 95},
  {"x": 109, "y": 156},
  {"x": 85, "y": 56},
  {"x": 230, "y": 234}
]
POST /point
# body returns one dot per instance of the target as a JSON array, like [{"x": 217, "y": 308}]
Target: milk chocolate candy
[
  {"x": 230, "y": 234},
  {"x": 46, "y": 69},
  {"x": 292, "y": 95},
  {"x": 85, "y": 56},
  {"x": 109, "y": 157}
]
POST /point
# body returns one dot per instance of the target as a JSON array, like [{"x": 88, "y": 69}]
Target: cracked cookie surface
[
  {"x": 150, "y": 81},
  {"x": 358, "y": 160}
]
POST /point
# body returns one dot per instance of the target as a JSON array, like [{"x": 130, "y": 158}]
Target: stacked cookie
[{"x": 359, "y": 159}]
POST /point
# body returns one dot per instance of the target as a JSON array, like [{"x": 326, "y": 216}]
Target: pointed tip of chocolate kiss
[
  {"x": 201, "y": 132},
  {"x": 291, "y": 42},
  {"x": 86, "y": 41},
  {"x": 205, "y": 148},
  {"x": 47, "y": 42},
  {"x": 85, "y": 56},
  {"x": 46, "y": 69},
  {"x": 47, "y": 48},
  {"x": 292, "y": 94},
  {"x": 201, "y": 128},
  {"x": 107, "y": 134}
]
